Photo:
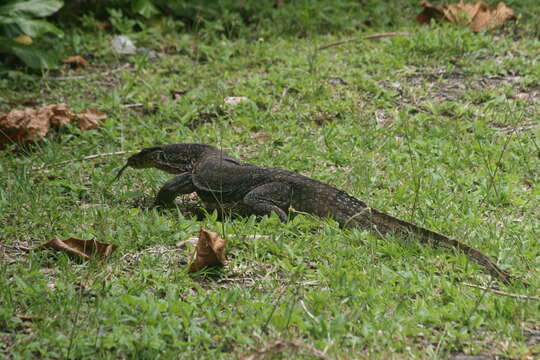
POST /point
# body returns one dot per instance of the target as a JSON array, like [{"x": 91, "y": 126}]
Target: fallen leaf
[
  {"x": 23, "y": 125},
  {"x": 478, "y": 16},
  {"x": 81, "y": 249},
  {"x": 209, "y": 251},
  {"x": 27, "y": 125},
  {"x": 90, "y": 119},
  {"x": 59, "y": 114},
  {"x": 76, "y": 62}
]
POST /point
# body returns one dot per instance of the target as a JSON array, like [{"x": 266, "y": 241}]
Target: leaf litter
[
  {"x": 209, "y": 251},
  {"x": 81, "y": 249},
  {"x": 29, "y": 125},
  {"x": 76, "y": 62},
  {"x": 478, "y": 16}
]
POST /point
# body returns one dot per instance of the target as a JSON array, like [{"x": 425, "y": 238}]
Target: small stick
[
  {"x": 307, "y": 311},
  {"x": 371, "y": 36},
  {"x": 89, "y": 157},
  {"x": 503, "y": 293},
  {"x": 62, "y": 78}
]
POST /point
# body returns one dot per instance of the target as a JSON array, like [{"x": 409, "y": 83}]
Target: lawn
[{"x": 438, "y": 127}]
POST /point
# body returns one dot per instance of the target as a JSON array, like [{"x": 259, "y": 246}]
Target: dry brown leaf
[
  {"x": 478, "y": 16},
  {"x": 59, "y": 114},
  {"x": 81, "y": 249},
  {"x": 90, "y": 119},
  {"x": 76, "y": 62},
  {"x": 429, "y": 12},
  {"x": 22, "y": 126},
  {"x": 209, "y": 251}
]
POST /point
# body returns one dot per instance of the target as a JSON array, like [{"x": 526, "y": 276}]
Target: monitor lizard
[{"x": 223, "y": 182}]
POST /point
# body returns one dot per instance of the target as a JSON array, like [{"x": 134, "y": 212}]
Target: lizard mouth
[{"x": 120, "y": 172}]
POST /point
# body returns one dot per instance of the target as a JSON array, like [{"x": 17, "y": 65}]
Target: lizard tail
[{"x": 356, "y": 213}]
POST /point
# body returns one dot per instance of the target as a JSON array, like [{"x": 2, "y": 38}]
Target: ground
[{"x": 438, "y": 127}]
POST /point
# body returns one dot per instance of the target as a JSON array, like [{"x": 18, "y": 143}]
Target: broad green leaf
[
  {"x": 35, "y": 58},
  {"x": 30, "y": 55},
  {"x": 38, "y": 8},
  {"x": 35, "y": 28},
  {"x": 10, "y": 29},
  {"x": 6, "y": 18},
  {"x": 5, "y": 45},
  {"x": 144, "y": 8}
]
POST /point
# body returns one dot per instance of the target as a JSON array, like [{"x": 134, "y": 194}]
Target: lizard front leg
[
  {"x": 181, "y": 184},
  {"x": 272, "y": 197}
]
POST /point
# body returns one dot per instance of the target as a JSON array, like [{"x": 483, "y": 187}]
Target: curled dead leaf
[
  {"x": 478, "y": 16},
  {"x": 90, "y": 119},
  {"x": 76, "y": 62},
  {"x": 27, "y": 125},
  {"x": 209, "y": 251},
  {"x": 81, "y": 249}
]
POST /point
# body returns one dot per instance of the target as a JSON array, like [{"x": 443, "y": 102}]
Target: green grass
[{"x": 426, "y": 127}]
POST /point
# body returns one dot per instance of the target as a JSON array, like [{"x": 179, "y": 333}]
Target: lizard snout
[
  {"x": 134, "y": 162},
  {"x": 138, "y": 162}
]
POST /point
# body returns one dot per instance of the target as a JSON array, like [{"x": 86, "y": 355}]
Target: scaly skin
[{"x": 224, "y": 183}]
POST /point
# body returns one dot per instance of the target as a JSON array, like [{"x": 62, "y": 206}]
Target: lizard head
[
  {"x": 174, "y": 159},
  {"x": 146, "y": 158}
]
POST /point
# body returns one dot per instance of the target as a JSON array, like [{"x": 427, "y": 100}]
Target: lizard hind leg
[
  {"x": 272, "y": 197},
  {"x": 178, "y": 185}
]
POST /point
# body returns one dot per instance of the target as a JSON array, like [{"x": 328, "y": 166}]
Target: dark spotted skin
[{"x": 223, "y": 183}]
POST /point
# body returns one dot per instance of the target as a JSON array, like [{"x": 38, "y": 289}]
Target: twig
[
  {"x": 75, "y": 77},
  {"x": 132, "y": 105},
  {"x": 371, "y": 36},
  {"x": 89, "y": 157},
  {"x": 503, "y": 293},
  {"x": 528, "y": 126},
  {"x": 63, "y": 78},
  {"x": 477, "y": 305},
  {"x": 307, "y": 311}
]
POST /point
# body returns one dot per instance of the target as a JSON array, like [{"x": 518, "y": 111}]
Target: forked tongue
[{"x": 120, "y": 172}]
